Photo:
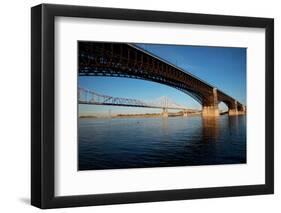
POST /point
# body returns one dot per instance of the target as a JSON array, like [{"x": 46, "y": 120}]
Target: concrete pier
[
  {"x": 210, "y": 111},
  {"x": 212, "y": 108},
  {"x": 232, "y": 112},
  {"x": 237, "y": 110}
]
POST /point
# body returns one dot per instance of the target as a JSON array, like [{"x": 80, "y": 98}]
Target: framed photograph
[{"x": 139, "y": 106}]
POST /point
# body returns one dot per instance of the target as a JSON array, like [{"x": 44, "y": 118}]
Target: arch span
[{"x": 130, "y": 61}]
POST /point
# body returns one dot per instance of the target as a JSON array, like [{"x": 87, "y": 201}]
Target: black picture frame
[{"x": 43, "y": 113}]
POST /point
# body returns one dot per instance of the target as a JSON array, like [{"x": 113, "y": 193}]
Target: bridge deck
[
  {"x": 90, "y": 97},
  {"x": 128, "y": 60},
  {"x": 131, "y": 105}
]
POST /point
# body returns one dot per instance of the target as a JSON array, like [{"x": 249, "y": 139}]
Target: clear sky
[{"x": 222, "y": 67}]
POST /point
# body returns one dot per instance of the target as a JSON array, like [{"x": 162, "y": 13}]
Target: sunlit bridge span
[{"x": 129, "y": 61}]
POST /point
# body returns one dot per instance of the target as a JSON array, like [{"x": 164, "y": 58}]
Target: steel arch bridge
[{"x": 130, "y": 61}]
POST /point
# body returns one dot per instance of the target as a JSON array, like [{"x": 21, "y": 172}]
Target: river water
[{"x": 161, "y": 142}]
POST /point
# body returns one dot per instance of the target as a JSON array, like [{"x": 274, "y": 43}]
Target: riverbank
[{"x": 147, "y": 115}]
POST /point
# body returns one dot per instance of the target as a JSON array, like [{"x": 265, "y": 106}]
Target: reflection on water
[
  {"x": 165, "y": 123},
  {"x": 158, "y": 142},
  {"x": 210, "y": 128}
]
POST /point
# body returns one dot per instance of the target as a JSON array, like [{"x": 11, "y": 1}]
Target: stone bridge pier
[
  {"x": 236, "y": 109},
  {"x": 233, "y": 110},
  {"x": 210, "y": 105},
  {"x": 211, "y": 108}
]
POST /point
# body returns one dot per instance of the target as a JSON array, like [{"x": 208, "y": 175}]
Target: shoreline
[{"x": 138, "y": 116}]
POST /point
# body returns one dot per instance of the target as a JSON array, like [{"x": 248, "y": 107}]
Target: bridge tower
[{"x": 211, "y": 107}]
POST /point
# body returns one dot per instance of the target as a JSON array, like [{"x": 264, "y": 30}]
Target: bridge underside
[{"x": 129, "y": 61}]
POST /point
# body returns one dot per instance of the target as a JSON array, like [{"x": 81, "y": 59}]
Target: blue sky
[{"x": 222, "y": 67}]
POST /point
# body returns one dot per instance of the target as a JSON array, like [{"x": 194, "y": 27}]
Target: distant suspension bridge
[{"x": 86, "y": 96}]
